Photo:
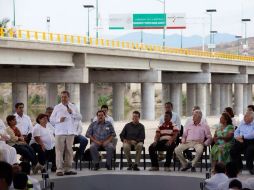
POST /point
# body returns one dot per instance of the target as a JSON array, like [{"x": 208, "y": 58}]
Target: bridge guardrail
[{"x": 84, "y": 40}]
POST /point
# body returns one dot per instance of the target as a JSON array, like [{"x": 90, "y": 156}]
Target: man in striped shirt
[{"x": 164, "y": 141}]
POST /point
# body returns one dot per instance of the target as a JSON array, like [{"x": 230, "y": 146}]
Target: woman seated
[
  {"x": 43, "y": 141},
  {"x": 230, "y": 111},
  {"x": 223, "y": 139},
  {"x": 7, "y": 153},
  {"x": 18, "y": 142}
]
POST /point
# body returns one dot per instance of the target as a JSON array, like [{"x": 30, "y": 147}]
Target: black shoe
[
  {"x": 251, "y": 172},
  {"x": 96, "y": 166},
  {"x": 108, "y": 167},
  {"x": 135, "y": 167},
  {"x": 186, "y": 168},
  {"x": 129, "y": 167},
  {"x": 53, "y": 169},
  {"x": 193, "y": 169}
]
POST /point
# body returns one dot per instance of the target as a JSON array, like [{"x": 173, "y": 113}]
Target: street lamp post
[
  {"x": 210, "y": 12},
  {"x": 14, "y": 13},
  {"x": 245, "y": 20},
  {"x": 48, "y": 23},
  {"x": 88, "y": 7},
  {"x": 97, "y": 19},
  {"x": 238, "y": 43}
]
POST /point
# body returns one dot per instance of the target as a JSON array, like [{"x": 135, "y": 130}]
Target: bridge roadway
[{"x": 213, "y": 82}]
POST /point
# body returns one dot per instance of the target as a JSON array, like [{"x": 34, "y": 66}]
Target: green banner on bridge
[{"x": 149, "y": 21}]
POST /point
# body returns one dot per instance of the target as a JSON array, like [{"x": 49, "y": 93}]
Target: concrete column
[
  {"x": 87, "y": 101},
  {"x": 208, "y": 103},
  {"x": 148, "y": 101},
  {"x": 165, "y": 93},
  {"x": 191, "y": 98},
  {"x": 201, "y": 97},
  {"x": 215, "y": 106},
  {"x": 51, "y": 94},
  {"x": 19, "y": 94},
  {"x": 223, "y": 97},
  {"x": 176, "y": 98},
  {"x": 230, "y": 95},
  {"x": 238, "y": 99},
  {"x": 249, "y": 94},
  {"x": 74, "y": 90},
  {"x": 118, "y": 101},
  {"x": 245, "y": 96}
]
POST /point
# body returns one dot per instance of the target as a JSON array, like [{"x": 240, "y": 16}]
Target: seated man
[
  {"x": 79, "y": 139},
  {"x": 133, "y": 134},
  {"x": 164, "y": 140},
  {"x": 194, "y": 136},
  {"x": 101, "y": 133},
  {"x": 24, "y": 123},
  {"x": 244, "y": 142},
  {"x": 217, "y": 178},
  {"x": 109, "y": 119}
]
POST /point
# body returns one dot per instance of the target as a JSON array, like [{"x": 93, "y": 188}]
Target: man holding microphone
[{"x": 63, "y": 117}]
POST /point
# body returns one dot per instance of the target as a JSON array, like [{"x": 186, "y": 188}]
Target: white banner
[
  {"x": 176, "y": 21},
  {"x": 120, "y": 21}
]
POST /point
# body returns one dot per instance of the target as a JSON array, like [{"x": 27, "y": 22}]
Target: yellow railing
[{"x": 84, "y": 40}]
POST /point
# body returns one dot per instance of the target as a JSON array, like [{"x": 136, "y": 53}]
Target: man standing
[
  {"x": 133, "y": 134},
  {"x": 244, "y": 143},
  {"x": 101, "y": 133},
  {"x": 63, "y": 116},
  {"x": 24, "y": 122},
  {"x": 194, "y": 136}
]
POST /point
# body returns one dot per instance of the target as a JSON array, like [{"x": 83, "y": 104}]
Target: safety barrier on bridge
[{"x": 84, "y": 40}]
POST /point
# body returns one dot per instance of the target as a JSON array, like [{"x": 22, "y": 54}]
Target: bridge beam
[
  {"x": 126, "y": 76},
  {"x": 168, "y": 77},
  {"x": 229, "y": 78}
]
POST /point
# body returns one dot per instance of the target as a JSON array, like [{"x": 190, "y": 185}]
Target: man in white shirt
[
  {"x": 217, "y": 178},
  {"x": 7, "y": 153},
  {"x": 63, "y": 116},
  {"x": 175, "y": 117},
  {"x": 24, "y": 122},
  {"x": 108, "y": 118}
]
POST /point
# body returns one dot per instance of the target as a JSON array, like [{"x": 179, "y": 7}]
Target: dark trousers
[
  {"x": 82, "y": 141},
  {"x": 27, "y": 152},
  {"x": 247, "y": 147},
  {"x": 161, "y": 146},
  {"x": 43, "y": 156}
]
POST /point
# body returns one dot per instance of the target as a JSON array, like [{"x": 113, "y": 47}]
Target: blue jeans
[{"x": 82, "y": 141}]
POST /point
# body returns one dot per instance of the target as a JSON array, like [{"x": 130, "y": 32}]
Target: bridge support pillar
[
  {"x": 238, "y": 99},
  {"x": 191, "y": 98},
  {"x": 74, "y": 90},
  {"x": 215, "y": 106},
  {"x": 166, "y": 92},
  {"x": 223, "y": 97},
  {"x": 87, "y": 101},
  {"x": 247, "y": 95},
  {"x": 148, "y": 101},
  {"x": 201, "y": 97},
  {"x": 118, "y": 101},
  {"x": 176, "y": 97},
  {"x": 51, "y": 94},
  {"x": 19, "y": 94}
]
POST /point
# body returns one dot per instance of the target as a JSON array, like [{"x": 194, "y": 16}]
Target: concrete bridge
[{"x": 213, "y": 80}]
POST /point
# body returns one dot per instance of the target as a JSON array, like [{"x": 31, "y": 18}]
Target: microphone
[{"x": 68, "y": 108}]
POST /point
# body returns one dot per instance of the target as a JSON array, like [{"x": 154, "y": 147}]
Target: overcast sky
[{"x": 69, "y": 16}]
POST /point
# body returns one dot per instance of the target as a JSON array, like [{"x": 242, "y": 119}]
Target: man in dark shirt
[{"x": 133, "y": 134}]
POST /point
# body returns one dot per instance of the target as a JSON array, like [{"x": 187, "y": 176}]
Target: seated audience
[
  {"x": 232, "y": 172},
  {"x": 164, "y": 140},
  {"x": 196, "y": 135},
  {"x": 109, "y": 119},
  {"x": 235, "y": 185},
  {"x": 230, "y": 111},
  {"x": 189, "y": 119},
  {"x": 175, "y": 117},
  {"x": 24, "y": 123},
  {"x": 79, "y": 139},
  {"x": 7, "y": 153},
  {"x": 5, "y": 175},
  {"x": 20, "y": 181},
  {"x": 43, "y": 142},
  {"x": 26, "y": 168},
  {"x": 250, "y": 108},
  {"x": 244, "y": 142},
  {"x": 133, "y": 134},
  {"x": 101, "y": 133},
  {"x": 218, "y": 177},
  {"x": 18, "y": 142},
  {"x": 223, "y": 139}
]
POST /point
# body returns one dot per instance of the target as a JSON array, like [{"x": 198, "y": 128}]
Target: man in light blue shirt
[{"x": 244, "y": 142}]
